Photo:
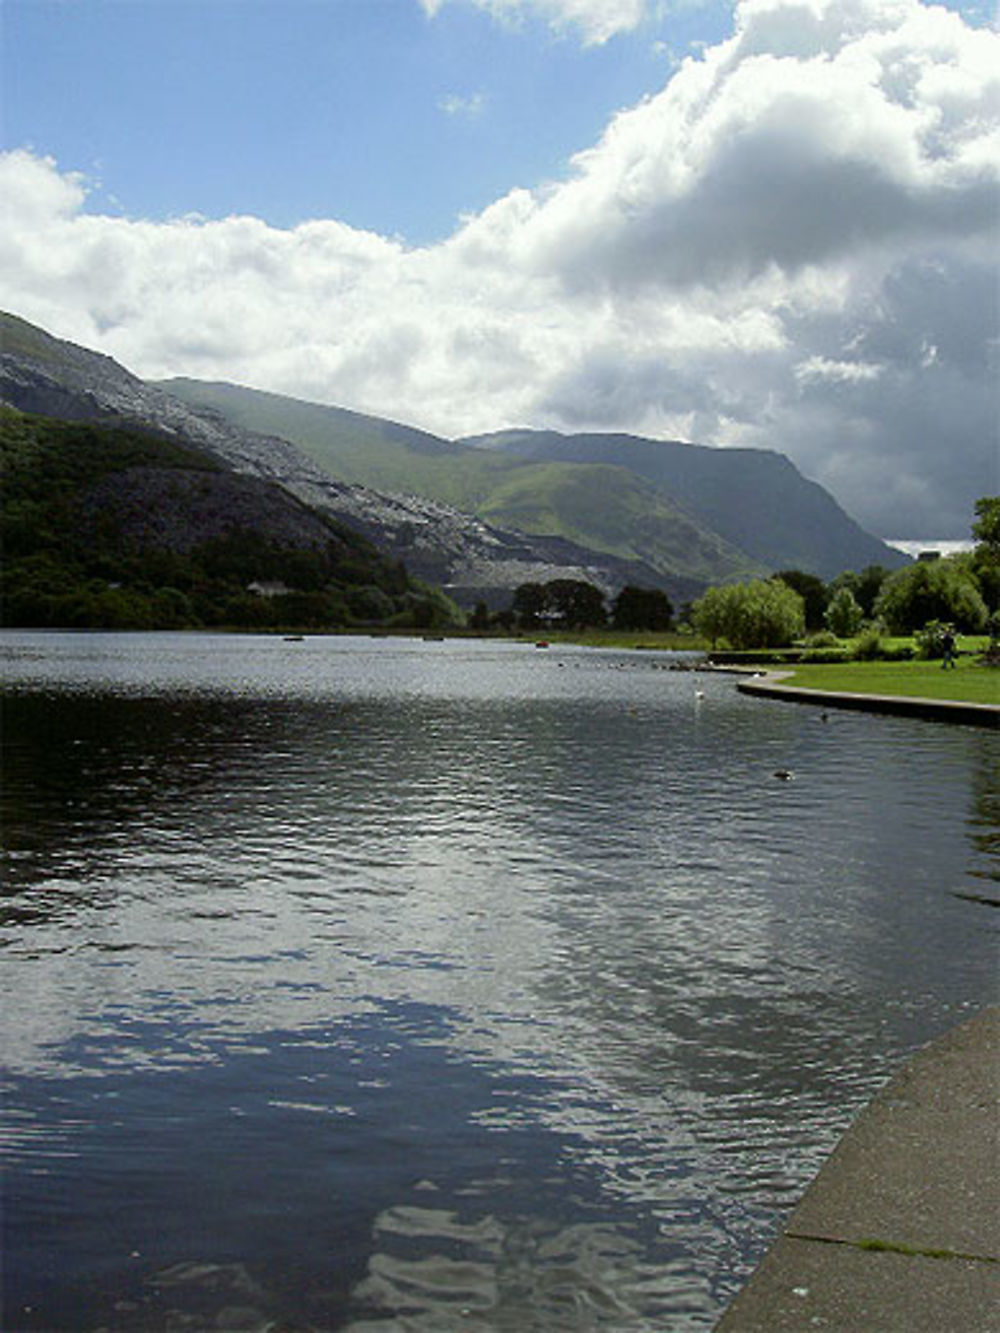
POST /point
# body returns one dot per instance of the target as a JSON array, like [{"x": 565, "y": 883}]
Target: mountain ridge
[
  {"x": 471, "y": 559},
  {"x": 541, "y": 500},
  {"x": 731, "y": 489},
  {"x": 709, "y": 515}
]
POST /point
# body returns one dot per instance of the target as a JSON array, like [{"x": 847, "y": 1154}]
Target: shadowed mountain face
[
  {"x": 476, "y": 517},
  {"x": 756, "y": 499},
  {"x": 438, "y": 542},
  {"x": 704, "y": 515}
]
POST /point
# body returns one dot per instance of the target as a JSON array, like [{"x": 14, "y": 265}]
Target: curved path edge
[
  {"x": 938, "y": 710},
  {"x": 900, "y": 1230}
]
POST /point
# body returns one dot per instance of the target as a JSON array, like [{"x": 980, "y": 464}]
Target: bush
[
  {"x": 825, "y": 655},
  {"x": 868, "y": 646},
  {"x": 822, "y": 639},
  {"x": 901, "y": 652},
  {"x": 871, "y": 647},
  {"x": 928, "y": 640}
]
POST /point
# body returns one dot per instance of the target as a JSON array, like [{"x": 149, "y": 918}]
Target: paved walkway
[
  {"x": 900, "y": 1231},
  {"x": 939, "y": 710}
]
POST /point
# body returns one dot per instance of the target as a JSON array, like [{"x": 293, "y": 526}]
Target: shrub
[
  {"x": 822, "y": 639},
  {"x": 928, "y": 640},
  {"x": 825, "y": 655},
  {"x": 900, "y": 652},
  {"x": 844, "y": 614},
  {"x": 868, "y": 645}
]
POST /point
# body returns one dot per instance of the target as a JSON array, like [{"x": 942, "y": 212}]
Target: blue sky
[
  {"x": 765, "y": 223},
  {"x": 370, "y": 111}
]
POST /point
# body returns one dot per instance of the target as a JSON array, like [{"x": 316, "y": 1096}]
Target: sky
[{"x": 770, "y": 224}]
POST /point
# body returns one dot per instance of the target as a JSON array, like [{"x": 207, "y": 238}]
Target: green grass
[
  {"x": 672, "y": 642},
  {"x": 968, "y": 682},
  {"x": 620, "y": 638}
]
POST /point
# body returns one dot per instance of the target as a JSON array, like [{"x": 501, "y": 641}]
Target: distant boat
[
  {"x": 295, "y": 638},
  {"x": 433, "y": 638},
  {"x": 542, "y": 643}
]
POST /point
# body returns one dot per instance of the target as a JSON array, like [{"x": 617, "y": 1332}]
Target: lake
[{"x": 383, "y": 984}]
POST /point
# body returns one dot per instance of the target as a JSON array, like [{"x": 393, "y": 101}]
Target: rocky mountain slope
[
  {"x": 604, "y": 508},
  {"x": 691, "y": 512},
  {"x": 106, "y": 525},
  {"x": 467, "y": 556}
]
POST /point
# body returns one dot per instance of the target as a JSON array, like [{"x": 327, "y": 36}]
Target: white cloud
[
  {"x": 791, "y": 246},
  {"x": 595, "y": 20},
  {"x": 820, "y": 368},
  {"x": 471, "y": 105}
]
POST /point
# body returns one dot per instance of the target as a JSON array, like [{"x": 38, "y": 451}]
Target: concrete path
[
  {"x": 900, "y": 1231},
  {"x": 938, "y": 710}
]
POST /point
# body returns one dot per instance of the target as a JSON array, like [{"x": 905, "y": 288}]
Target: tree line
[
  {"x": 576, "y": 604},
  {"x": 962, "y": 590}
]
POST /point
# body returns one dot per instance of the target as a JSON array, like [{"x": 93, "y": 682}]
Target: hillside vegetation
[
  {"x": 755, "y": 498},
  {"x": 604, "y": 507},
  {"x": 118, "y": 527},
  {"x": 707, "y": 515}
]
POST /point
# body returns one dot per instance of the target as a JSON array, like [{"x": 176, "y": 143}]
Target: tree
[
  {"x": 986, "y": 528},
  {"x": 986, "y": 555},
  {"x": 710, "y": 614},
  {"x": 929, "y": 590},
  {"x": 642, "y": 608},
  {"x": 844, "y": 615},
  {"x": 528, "y": 604},
  {"x": 577, "y": 603},
  {"x": 813, "y": 592},
  {"x": 865, "y": 586},
  {"x": 480, "y": 617},
  {"x": 764, "y": 613},
  {"x": 573, "y": 602}
]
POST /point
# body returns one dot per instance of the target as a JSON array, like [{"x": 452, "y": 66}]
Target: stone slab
[
  {"x": 901, "y": 1228},
  {"x": 803, "y": 1286},
  {"x": 934, "y": 710}
]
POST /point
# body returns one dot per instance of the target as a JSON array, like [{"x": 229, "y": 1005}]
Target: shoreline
[
  {"x": 769, "y": 686},
  {"x": 900, "y": 1229}
]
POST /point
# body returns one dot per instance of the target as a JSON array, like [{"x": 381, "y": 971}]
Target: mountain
[
  {"x": 693, "y": 514},
  {"x": 470, "y": 558},
  {"x": 116, "y": 526},
  {"x": 755, "y": 499},
  {"x": 605, "y": 508}
]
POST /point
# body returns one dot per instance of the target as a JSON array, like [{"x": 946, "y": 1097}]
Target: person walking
[{"x": 948, "y": 648}]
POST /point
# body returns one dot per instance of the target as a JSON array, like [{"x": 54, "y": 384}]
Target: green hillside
[
  {"x": 606, "y": 508},
  {"x": 106, "y": 526},
  {"x": 613, "y": 510},
  {"x": 755, "y": 498}
]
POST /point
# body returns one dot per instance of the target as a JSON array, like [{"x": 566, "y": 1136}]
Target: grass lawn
[
  {"x": 968, "y": 682},
  {"x": 620, "y": 638}
]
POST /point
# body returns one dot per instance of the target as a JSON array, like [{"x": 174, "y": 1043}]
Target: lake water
[{"x": 379, "y": 984}]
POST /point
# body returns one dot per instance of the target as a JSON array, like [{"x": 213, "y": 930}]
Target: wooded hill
[
  {"x": 115, "y": 527},
  {"x": 474, "y": 560}
]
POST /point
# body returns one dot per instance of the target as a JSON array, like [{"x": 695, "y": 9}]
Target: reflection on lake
[{"x": 387, "y": 984}]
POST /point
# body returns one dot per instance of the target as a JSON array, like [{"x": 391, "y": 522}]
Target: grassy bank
[
  {"x": 619, "y": 638},
  {"x": 968, "y": 682}
]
